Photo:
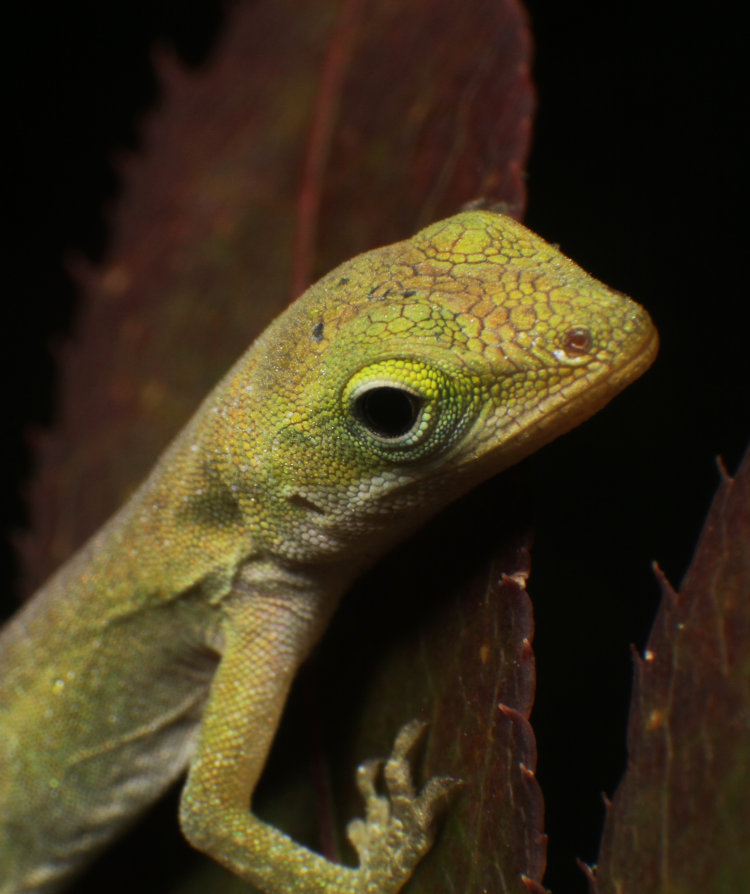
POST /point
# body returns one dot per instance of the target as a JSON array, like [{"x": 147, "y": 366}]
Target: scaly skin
[{"x": 170, "y": 640}]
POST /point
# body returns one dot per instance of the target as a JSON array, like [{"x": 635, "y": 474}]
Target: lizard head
[{"x": 412, "y": 372}]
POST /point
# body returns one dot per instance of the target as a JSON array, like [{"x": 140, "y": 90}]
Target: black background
[{"x": 638, "y": 170}]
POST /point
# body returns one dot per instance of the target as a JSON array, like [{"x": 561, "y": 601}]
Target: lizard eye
[
  {"x": 387, "y": 411},
  {"x": 405, "y": 410}
]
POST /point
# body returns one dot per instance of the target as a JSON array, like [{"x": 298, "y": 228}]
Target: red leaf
[{"x": 679, "y": 821}]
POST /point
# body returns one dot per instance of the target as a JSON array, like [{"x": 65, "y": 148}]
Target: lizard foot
[{"x": 398, "y": 828}]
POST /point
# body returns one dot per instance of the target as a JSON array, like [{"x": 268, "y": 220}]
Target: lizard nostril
[{"x": 577, "y": 341}]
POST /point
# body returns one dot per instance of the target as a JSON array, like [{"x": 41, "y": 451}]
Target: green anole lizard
[{"x": 170, "y": 640}]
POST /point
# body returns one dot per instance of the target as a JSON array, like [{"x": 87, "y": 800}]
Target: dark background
[{"x": 638, "y": 170}]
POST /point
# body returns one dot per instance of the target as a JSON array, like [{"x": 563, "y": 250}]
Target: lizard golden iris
[{"x": 170, "y": 640}]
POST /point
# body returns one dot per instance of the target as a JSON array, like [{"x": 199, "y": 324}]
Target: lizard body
[{"x": 170, "y": 640}]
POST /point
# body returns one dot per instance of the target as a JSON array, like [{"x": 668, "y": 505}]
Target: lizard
[{"x": 167, "y": 644}]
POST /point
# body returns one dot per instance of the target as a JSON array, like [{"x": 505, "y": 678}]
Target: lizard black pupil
[{"x": 387, "y": 411}]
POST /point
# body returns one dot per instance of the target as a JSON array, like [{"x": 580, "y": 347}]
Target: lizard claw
[
  {"x": 397, "y": 768},
  {"x": 398, "y": 827}
]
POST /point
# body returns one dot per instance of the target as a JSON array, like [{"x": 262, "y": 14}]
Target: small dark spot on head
[
  {"x": 343, "y": 281},
  {"x": 410, "y": 293},
  {"x": 317, "y": 332}
]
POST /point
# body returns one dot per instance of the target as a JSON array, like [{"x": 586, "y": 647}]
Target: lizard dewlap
[{"x": 169, "y": 641}]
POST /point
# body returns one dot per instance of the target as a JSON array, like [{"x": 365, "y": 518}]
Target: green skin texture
[{"x": 170, "y": 640}]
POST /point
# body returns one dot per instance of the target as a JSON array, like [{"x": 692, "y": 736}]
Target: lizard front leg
[{"x": 264, "y": 639}]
